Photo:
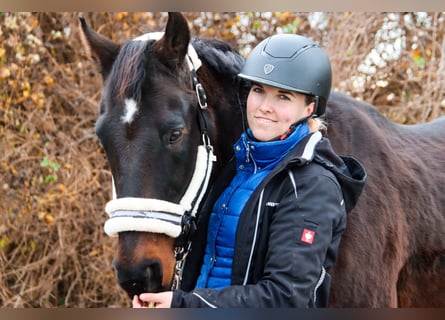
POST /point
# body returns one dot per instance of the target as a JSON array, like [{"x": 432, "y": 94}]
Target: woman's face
[{"x": 271, "y": 111}]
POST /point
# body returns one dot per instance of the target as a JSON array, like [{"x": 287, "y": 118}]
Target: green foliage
[
  {"x": 47, "y": 163},
  {"x": 53, "y": 166},
  {"x": 4, "y": 241},
  {"x": 419, "y": 61},
  {"x": 293, "y": 27}
]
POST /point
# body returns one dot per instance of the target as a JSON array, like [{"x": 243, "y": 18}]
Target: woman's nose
[{"x": 265, "y": 105}]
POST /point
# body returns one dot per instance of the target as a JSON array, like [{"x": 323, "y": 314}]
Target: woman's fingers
[
  {"x": 137, "y": 303},
  {"x": 157, "y": 300}
]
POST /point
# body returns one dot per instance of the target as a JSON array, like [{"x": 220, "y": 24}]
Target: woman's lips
[{"x": 264, "y": 120}]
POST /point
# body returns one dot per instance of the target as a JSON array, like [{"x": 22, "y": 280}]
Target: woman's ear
[{"x": 310, "y": 109}]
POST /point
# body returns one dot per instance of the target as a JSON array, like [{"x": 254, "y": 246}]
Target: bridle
[{"x": 176, "y": 220}]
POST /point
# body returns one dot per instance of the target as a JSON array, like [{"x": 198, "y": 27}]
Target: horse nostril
[
  {"x": 139, "y": 278},
  {"x": 154, "y": 276}
]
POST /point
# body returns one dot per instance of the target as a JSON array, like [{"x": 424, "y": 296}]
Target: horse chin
[{"x": 136, "y": 288}]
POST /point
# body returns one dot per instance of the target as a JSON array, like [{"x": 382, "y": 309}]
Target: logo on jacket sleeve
[{"x": 308, "y": 236}]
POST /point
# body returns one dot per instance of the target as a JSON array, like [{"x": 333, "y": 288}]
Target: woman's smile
[{"x": 264, "y": 120}]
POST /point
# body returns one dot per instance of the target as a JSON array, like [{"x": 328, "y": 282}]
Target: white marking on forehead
[{"x": 131, "y": 108}]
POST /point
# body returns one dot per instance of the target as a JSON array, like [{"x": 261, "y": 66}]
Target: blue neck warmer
[{"x": 267, "y": 154}]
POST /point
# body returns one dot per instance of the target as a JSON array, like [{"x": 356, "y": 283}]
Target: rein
[{"x": 176, "y": 220}]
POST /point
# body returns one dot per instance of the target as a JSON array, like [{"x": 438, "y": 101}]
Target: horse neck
[
  {"x": 226, "y": 120},
  {"x": 218, "y": 73}
]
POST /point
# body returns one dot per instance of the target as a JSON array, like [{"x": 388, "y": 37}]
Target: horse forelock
[
  {"x": 135, "y": 64},
  {"x": 129, "y": 71}
]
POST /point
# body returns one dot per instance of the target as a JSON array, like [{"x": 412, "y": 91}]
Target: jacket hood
[{"x": 349, "y": 172}]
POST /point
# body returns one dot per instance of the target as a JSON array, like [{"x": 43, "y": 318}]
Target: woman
[{"x": 271, "y": 226}]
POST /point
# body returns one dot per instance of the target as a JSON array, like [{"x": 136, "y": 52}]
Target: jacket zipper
[
  {"x": 254, "y": 237},
  {"x": 319, "y": 282}
]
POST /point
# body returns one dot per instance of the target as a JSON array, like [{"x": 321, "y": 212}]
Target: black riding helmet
[{"x": 291, "y": 62}]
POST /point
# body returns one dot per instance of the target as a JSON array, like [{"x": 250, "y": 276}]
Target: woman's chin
[{"x": 263, "y": 135}]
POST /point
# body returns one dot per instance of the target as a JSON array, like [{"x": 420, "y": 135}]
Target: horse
[{"x": 170, "y": 105}]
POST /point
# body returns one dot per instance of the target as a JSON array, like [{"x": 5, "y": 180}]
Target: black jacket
[{"x": 274, "y": 264}]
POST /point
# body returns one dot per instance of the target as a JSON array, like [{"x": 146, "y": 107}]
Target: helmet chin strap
[
  {"x": 243, "y": 85},
  {"x": 292, "y": 128}
]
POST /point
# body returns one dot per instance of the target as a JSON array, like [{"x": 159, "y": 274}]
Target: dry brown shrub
[
  {"x": 54, "y": 176},
  {"x": 414, "y": 90}
]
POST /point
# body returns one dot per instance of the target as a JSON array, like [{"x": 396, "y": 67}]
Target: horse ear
[
  {"x": 102, "y": 48},
  {"x": 172, "y": 47}
]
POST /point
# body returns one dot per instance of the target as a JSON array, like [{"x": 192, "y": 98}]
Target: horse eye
[{"x": 176, "y": 136}]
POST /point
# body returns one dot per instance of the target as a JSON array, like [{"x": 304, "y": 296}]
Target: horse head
[{"x": 158, "y": 129}]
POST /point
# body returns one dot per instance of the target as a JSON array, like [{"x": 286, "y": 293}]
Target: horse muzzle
[{"x": 140, "y": 278}]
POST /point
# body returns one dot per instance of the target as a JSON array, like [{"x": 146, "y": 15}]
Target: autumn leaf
[{"x": 4, "y": 73}]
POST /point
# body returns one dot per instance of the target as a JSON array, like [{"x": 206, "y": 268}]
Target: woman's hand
[{"x": 153, "y": 300}]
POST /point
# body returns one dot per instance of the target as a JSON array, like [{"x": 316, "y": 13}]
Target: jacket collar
[
  {"x": 305, "y": 151},
  {"x": 268, "y": 153}
]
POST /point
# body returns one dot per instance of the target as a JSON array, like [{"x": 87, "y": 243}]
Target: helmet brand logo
[{"x": 268, "y": 68}]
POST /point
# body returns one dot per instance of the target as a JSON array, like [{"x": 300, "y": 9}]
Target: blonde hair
[{"x": 317, "y": 124}]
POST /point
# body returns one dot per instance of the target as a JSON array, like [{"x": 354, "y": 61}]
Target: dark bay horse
[{"x": 170, "y": 101}]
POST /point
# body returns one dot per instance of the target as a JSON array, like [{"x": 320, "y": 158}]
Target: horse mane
[{"x": 219, "y": 56}]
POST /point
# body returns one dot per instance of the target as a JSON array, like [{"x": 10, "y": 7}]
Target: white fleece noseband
[{"x": 159, "y": 216}]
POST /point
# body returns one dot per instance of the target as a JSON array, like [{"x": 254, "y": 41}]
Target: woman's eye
[
  {"x": 175, "y": 136},
  {"x": 257, "y": 89}
]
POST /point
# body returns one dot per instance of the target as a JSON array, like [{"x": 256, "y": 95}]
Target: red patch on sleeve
[{"x": 308, "y": 236}]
